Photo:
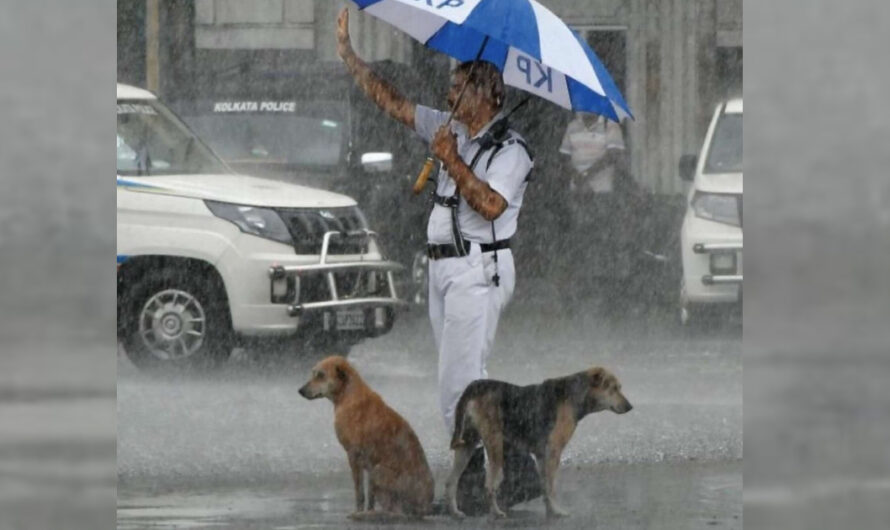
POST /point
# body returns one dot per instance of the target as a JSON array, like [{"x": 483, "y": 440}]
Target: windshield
[
  {"x": 311, "y": 134},
  {"x": 152, "y": 141},
  {"x": 725, "y": 155}
]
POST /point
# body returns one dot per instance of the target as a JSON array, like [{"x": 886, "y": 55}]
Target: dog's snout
[
  {"x": 303, "y": 391},
  {"x": 629, "y": 407}
]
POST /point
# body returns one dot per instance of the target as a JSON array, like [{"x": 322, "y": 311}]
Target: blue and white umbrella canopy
[{"x": 533, "y": 48}]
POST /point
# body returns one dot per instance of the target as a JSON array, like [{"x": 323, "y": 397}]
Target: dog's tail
[{"x": 457, "y": 439}]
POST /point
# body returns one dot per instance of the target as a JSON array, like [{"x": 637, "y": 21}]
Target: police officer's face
[{"x": 470, "y": 101}]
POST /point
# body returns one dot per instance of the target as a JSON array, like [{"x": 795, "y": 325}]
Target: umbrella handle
[{"x": 424, "y": 175}]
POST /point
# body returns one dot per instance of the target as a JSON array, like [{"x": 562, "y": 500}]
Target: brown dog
[
  {"x": 377, "y": 440},
  {"x": 539, "y": 419}
]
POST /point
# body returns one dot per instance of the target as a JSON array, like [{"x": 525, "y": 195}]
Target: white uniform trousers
[{"x": 465, "y": 307}]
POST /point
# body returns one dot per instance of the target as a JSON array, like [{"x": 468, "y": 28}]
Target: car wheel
[{"x": 177, "y": 321}]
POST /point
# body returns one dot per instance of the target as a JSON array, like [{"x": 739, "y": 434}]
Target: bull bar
[{"x": 291, "y": 276}]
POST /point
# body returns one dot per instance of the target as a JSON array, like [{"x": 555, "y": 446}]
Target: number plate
[{"x": 350, "y": 319}]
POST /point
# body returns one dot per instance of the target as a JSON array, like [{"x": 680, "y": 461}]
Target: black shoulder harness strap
[
  {"x": 453, "y": 202},
  {"x": 497, "y": 137}
]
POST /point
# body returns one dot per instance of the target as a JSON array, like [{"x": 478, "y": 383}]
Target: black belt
[{"x": 450, "y": 251}]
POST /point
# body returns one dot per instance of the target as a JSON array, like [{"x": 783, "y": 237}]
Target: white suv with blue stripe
[{"x": 207, "y": 257}]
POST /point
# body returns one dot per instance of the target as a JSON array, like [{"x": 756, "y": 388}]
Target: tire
[{"x": 177, "y": 319}]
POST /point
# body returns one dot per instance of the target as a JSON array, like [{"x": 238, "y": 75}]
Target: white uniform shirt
[
  {"x": 506, "y": 175},
  {"x": 586, "y": 145}
]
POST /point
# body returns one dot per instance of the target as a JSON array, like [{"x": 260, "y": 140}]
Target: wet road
[
  {"x": 243, "y": 449},
  {"x": 676, "y": 496}
]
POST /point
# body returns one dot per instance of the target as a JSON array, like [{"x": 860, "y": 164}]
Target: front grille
[
  {"x": 308, "y": 227},
  {"x": 350, "y": 285}
]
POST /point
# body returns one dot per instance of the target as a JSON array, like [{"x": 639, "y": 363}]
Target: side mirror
[
  {"x": 377, "y": 162},
  {"x": 687, "y": 167}
]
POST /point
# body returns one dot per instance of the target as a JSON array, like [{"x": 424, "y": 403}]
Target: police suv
[
  {"x": 206, "y": 257},
  {"x": 311, "y": 125}
]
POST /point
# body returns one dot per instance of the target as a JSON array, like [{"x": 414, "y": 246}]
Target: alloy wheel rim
[{"x": 172, "y": 325}]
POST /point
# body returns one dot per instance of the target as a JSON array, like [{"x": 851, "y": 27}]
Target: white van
[
  {"x": 206, "y": 257},
  {"x": 711, "y": 236}
]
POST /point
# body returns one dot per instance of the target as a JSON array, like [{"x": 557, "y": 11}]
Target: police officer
[
  {"x": 479, "y": 191},
  {"x": 478, "y": 196}
]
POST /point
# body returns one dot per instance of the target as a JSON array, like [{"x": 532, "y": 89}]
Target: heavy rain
[
  {"x": 228, "y": 441},
  {"x": 212, "y": 429}
]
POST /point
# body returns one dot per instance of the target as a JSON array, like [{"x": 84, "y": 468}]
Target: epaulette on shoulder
[{"x": 510, "y": 141}]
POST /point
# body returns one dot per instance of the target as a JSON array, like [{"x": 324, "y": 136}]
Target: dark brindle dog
[{"x": 539, "y": 419}]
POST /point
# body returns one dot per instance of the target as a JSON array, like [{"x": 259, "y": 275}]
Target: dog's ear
[
  {"x": 341, "y": 374},
  {"x": 576, "y": 389},
  {"x": 596, "y": 377}
]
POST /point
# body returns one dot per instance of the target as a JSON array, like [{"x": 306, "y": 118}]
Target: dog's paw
[
  {"x": 497, "y": 513},
  {"x": 557, "y": 513},
  {"x": 359, "y": 514},
  {"x": 453, "y": 510}
]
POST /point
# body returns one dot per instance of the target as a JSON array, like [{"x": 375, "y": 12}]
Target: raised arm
[{"x": 383, "y": 94}]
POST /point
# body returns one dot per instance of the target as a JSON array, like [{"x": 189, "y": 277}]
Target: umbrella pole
[{"x": 430, "y": 161}]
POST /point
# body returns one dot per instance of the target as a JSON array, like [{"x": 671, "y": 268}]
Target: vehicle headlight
[
  {"x": 262, "y": 222},
  {"x": 717, "y": 207}
]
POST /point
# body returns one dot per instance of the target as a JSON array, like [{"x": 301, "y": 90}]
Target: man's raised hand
[
  {"x": 378, "y": 90},
  {"x": 344, "y": 45}
]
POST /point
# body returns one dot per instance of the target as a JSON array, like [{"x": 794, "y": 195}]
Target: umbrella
[{"x": 533, "y": 48}]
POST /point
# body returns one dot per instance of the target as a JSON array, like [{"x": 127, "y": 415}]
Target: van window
[
  {"x": 152, "y": 141},
  {"x": 725, "y": 154}
]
